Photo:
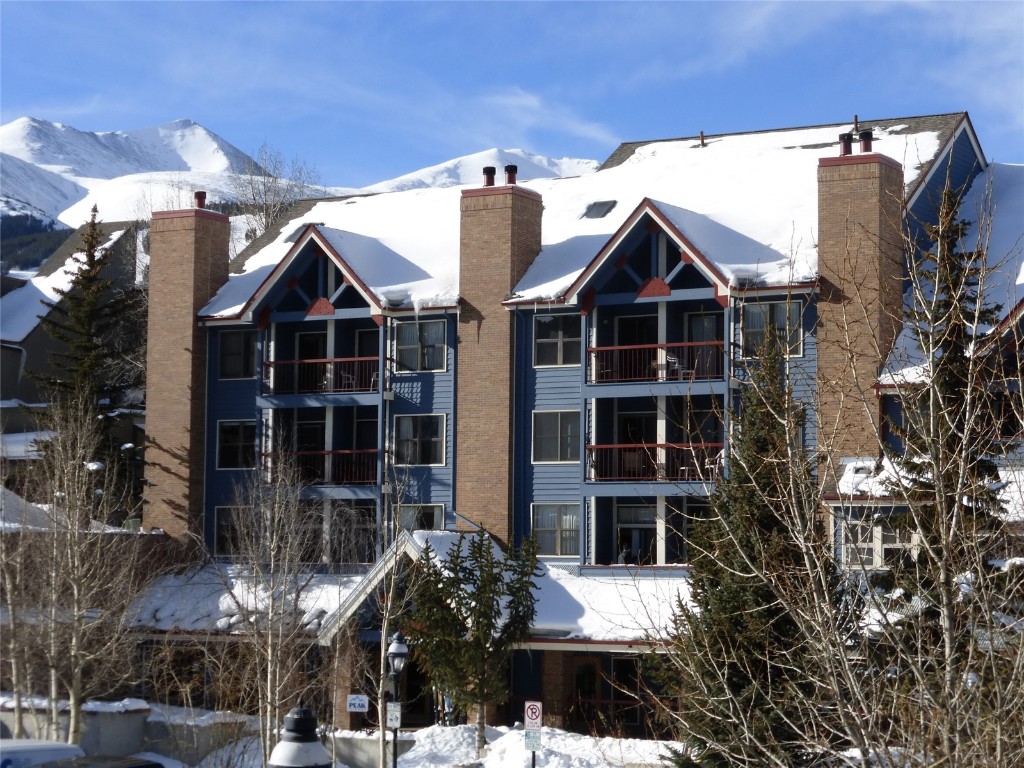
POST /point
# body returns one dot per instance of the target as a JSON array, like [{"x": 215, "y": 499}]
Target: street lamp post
[
  {"x": 398, "y": 652},
  {"x": 299, "y": 746}
]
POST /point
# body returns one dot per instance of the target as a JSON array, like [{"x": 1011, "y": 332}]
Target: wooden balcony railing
[
  {"x": 659, "y": 462},
  {"x": 338, "y": 374},
  {"x": 692, "y": 361},
  {"x": 348, "y": 467}
]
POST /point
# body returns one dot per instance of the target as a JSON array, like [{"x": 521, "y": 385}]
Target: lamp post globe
[
  {"x": 398, "y": 652},
  {"x": 299, "y": 746}
]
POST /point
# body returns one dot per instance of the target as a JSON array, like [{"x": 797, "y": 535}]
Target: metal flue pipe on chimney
[
  {"x": 200, "y": 199},
  {"x": 489, "y": 171},
  {"x": 866, "y": 138},
  {"x": 510, "y": 174},
  {"x": 845, "y": 144}
]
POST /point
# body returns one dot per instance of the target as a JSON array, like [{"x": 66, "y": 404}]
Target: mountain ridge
[{"x": 55, "y": 173}]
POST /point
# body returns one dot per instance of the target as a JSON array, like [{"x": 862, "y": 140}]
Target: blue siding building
[{"x": 555, "y": 359}]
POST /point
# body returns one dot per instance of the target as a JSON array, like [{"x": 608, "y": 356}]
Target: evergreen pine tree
[
  {"x": 89, "y": 321},
  {"x": 84, "y": 321},
  {"x": 739, "y": 646},
  {"x": 471, "y": 610},
  {"x": 947, "y": 504},
  {"x": 950, "y": 432}
]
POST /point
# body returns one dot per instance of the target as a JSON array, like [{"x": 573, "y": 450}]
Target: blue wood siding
[
  {"x": 544, "y": 388},
  {"x": 421, "y": 393},
  {"x": 226, "y": 400}
]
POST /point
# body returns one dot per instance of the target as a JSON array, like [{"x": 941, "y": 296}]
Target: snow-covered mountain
[
  {"x": 467, "y": 170},
  {"x": 57, "y": 173},
  {"x": 50, "y": 170},
  {"x": 181, "y": 145}
]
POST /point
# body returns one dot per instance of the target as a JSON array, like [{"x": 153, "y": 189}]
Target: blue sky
[{"x": 368, "y": 91}]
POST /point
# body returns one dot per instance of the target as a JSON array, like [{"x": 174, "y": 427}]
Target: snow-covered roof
[
  {"x": 748, "y": 201},
  {"x": 869, "y": 479},
  {"x": 18, "y": 514},
  {"x": 19, "y": 446},
  {"x": 993, "y": 206},
  {"x": 623, "y": 605},
  {"x": 20, "y": 309},
  {"x": 217, "y": 598}
]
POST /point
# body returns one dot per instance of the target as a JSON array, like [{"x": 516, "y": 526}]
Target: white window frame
[
  {"x": 792, "y": 326},
  {"x": 561, "y": 343},
  {"x": 559, "y": 530},
  {"x": 442, "y": 347},
  {"x": 561, "y": 437},
  {"x": 245, "y": 350},
  {"x": 442, "y": 438},
  {"x": 869, "y": 534},
  {"x": 409, "y": 513},
  {"x": 255, "y": 452}
]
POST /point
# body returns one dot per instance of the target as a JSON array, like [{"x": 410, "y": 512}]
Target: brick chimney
[
  {"x": 188, "y": 264},
  {"x": 860, "y": 262},
  {"x": 500, "y": 237}
]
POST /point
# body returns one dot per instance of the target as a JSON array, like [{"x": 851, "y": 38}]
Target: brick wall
[
  {"x": 860, "y": 260},
  {"x": 500, "y": 237},
  {"x": 188, "y": 264}
]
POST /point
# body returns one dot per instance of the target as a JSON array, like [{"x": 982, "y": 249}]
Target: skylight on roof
[{"x": 599, "y": 210}]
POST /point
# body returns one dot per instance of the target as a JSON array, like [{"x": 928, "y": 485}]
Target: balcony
[
  {"x": 691, "y": 361},
  {"x": 339, "y": 374},
  {"x": 654, "y": 462},
  {"x": 350, "y": 467}
]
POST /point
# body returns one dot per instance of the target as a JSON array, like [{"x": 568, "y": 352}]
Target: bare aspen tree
[
  {"x": 278, "y": 543},
  {"x": 268, "y": 185},
  {"x": 394, "y": 596},
  {"x": 70, "y": 587}
]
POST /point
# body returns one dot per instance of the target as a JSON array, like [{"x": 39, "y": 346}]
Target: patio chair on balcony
[
  {"x": 674, "y": 367},
  {"x": 346, "y": 382}
]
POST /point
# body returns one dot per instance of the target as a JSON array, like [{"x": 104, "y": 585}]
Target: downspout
[
  {"x": 384, "y": 430},
  {"x": 449, "y": 433},
  {"x": 208, "y": 535},
  {"x": 518, "y": 385}
]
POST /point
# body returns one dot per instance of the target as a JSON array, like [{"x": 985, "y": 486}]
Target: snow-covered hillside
[
  {"x": 57, "y": 173},
  {"x": 181, "y": 145},
  {"x": 468, "y": 169},
  {"x": 52, "y": 171}
]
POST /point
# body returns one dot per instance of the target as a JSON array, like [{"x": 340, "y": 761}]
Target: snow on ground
[
  {"x": 445, "y": 747},
  {"x": 435, "y": 747}
]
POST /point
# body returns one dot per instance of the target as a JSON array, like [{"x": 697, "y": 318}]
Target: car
[{"x": 23, "y": 753}]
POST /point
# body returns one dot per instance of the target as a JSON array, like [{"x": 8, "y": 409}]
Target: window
[
  {"x": 779, "y": 317},
  {"x": 365, "y": 428},
  {"x": 628, "y": 688},
  {"x": 869, "y": 543},
  {"x": 556, "y": 340},
  {"x": 556, "y": 528},
  {"x": 310, "y": 449},
  {"x": 421, "y": 517},
  {"x": 556, "y": 436},
  {"x": 419, "y": 439},
  {"x": 236, "y": 445},
  {"x": 225, "y": 532},
  {"x": 637, "y": 534},
  {"x": 351, "y": 534},
  {"x": 419, "y": 345},
  {"x": 237, "y": 355}
]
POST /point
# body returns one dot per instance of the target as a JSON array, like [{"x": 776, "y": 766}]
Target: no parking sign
[{"x": 533, "y": 714}]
